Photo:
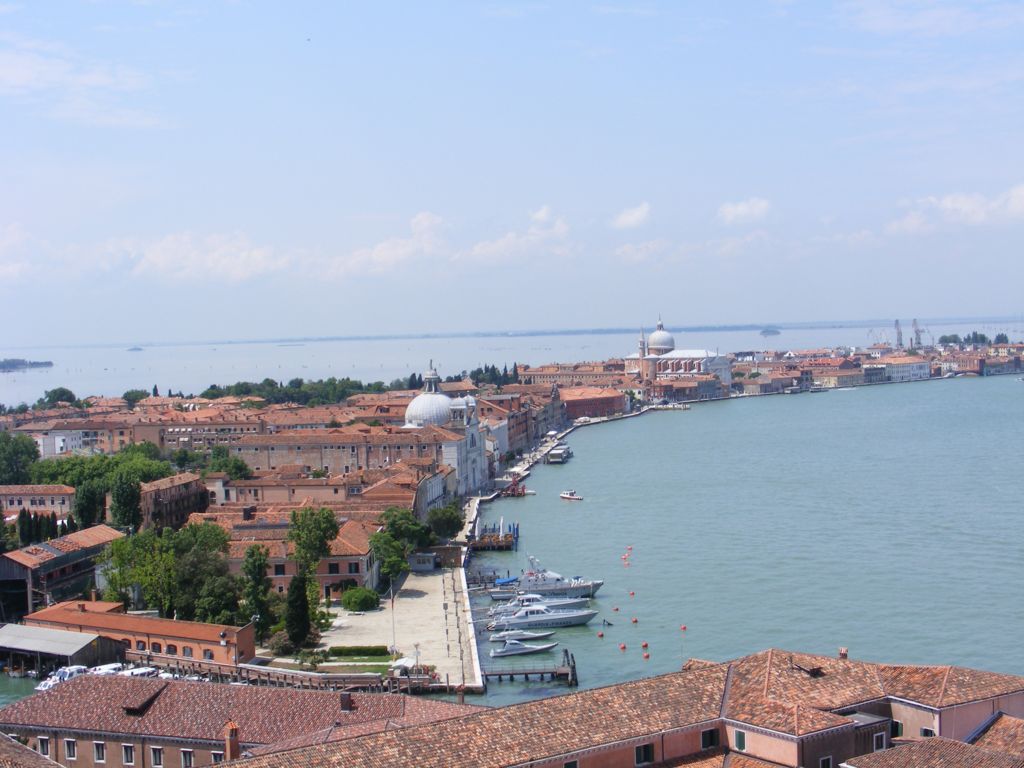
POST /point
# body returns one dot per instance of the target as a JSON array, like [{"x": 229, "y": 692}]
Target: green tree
[
  {"x": 405, "y": 528},
  {"x": 234, "y": 467},
  {"x": 312, "y": 531},
  {"x": 446, "y": 521},
  {"x": 360, "y": 599},
  {"x": 296, "y": 614},
  {"x": 1001, "y": 338},
  {"x": 390, "y": 553},
  {"x": 951, "y": 338},
  {"x": 24, "y": 527},
  {"x": 17, "y": 455},
  {"x": 59, "y": 395},
  {"x": 257, "y": 588},
  {"x": 125, "y": 497},
  {"x": 90, "y": 498},
  {"x": 218, "y": 599},
  {"x": 133, "y": 396}
]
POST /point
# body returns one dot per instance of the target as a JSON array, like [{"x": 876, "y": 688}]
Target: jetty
[{"x": 565, "y": 671}]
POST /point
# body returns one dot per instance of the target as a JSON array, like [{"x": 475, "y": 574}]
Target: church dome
[
  {"x": 660, "y": 341},
  {"x": 431, "y": 406}
]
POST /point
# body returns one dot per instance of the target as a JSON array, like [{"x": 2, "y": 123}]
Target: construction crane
[
  {"x": 899, "y": 335},
  {"x": 917, "y": 334}
]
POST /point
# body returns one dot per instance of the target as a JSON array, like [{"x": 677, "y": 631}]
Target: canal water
[{"x": 887, "y": 519}]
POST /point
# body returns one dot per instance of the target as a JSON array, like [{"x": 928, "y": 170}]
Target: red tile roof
[
  {"x": 198, "y": 711},
  {"x": 15, "y": 755},
  {"x": 32, "y": 490},
  {"x": 37, "y": 554},
  {"x": 67, "y": 616},
  {"x": 936, "y": 753},
  {"x": 1004, "y": 734}
]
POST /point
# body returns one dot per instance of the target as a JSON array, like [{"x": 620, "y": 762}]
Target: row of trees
[
  {"x": 488, "y": 374},
  {"x": 218, "y": 459},
  {"x": 32, "y": 527},
  {"x": 974, "y": 337},
  {"x": 321, "y": 392},
  {"x": 403, "y": 533}
]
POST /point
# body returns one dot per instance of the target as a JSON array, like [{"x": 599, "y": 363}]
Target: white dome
[
  {"x": 661, "y": 341},
  {"x": 431, "y": 406}
]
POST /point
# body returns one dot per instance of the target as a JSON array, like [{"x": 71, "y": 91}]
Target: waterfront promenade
[{"x": 431, "y": 610}]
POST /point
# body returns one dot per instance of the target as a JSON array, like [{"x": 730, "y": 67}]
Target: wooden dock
[{"x": 566, "y": 671}]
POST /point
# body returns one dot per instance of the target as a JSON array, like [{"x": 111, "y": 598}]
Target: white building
[
  {"x": 906, "y": 368},
  {"x": 661, "y": 358}
]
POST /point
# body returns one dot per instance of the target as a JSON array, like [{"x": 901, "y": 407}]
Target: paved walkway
[{"x": 429, "y": 609}]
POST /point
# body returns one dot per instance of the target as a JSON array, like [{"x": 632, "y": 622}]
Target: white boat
[
  {"x": 539, "y": 617},
  {"x": 107, "y": 669},
  {"x": 522, "y": 601},
  {"x": 519, "y": 634},
  {"x": 516, "y": 648},
  {"x": 140, "y": 672},
  {"x": 47, "y": 684},
  {"x": 541, "y": 581},
  {"x": 570, "y": 496}
]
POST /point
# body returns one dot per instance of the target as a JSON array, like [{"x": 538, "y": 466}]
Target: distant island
[
  {"x": 9, "y": 364},
  {"x": 134, "y": 349},
  {"x": 770, "y": 331}
]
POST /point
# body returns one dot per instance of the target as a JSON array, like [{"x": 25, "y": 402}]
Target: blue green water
[{"x": 886, "y": 519}]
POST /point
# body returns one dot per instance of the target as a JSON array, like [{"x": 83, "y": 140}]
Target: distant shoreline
[
  {"x": 14, "y": 364},
  {"x": 610, "y": 331}
]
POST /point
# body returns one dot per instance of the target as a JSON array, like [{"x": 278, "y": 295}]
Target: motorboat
[
  {"x": 61, "y": 675},
  {"x": 539, "y": 617},
  {"x": 570, "y": 496},
  {"x": 107, "y": 669},
  {"x": 540, "y": 581},
  {"x": 516, "y": 648},
  {"x": 47, "y": 684},
  {"x": 140, "y": 672},
  {"x": 519, "y": 634},
  {"x": 524, "y": 600}
]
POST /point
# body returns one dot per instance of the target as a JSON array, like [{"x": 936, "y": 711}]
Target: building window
[
  {"x": 186, "y": 758},
  {"x": 172, "y": 649},
  {"x": 353, "y": 567},
  {"x": 332, "y": 569},
  {"x": 70, "y": 749},
  {"x": 571, "y": 764},
  {"x": 128, "y": 754},
  {"x": 644, "y": 754},
  {"x": 895, "y": 729},
  {"x": 157, "y": 756},
  {"x": 879, "y": 739},
  {"x": 99, "y": 752},
  {"x": 208, "y": 654},
  {"x": 156, "y": 648},
  {"x": 741, "y": 741},
  {"x": 279, "y": 569},
  {"x": 186, "y": 651},
  {"x": 140, "y": 645},
  {"x": 927, "y": 733},
  {"x": 43, "y": 746},
  {"x": 218, "y": 757},
  {"x": 825, "y": 762},
  {"x": 709, "y": 738}
]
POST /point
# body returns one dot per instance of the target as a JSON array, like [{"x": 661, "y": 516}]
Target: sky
[{"x": 176, "y": 171}]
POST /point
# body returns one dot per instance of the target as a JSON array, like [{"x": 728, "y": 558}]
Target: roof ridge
[
  {"x": 942, "y": 690},
  {"x": 768, "y": 671}
]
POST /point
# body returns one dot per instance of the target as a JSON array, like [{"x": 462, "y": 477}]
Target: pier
[{"x": 565, "y": 671}]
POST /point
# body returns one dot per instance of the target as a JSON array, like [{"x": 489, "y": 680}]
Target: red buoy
[
  {"x": 629, "y": 546},
  {"x": 643, "y": 644},
  {"x": 622, "y": 646},
  {"x": 646, "y": 655},
  {"x": 616, "y": 608},
  {"x": 632, "y": 594},
  {"x": 682, "y": 627},
  {"x": 600, "y": 634},
  {"x": 633, "y": 619}
]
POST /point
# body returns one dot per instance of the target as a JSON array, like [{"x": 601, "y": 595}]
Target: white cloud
[
  {"x": 187, "y": 256},
  {"x": 631, "y": 218},
  {"x": 545, "y": 235},
  {"x": 634, "y": 253},
  {"x": 73, "y": 87},
  {"x": 425, "y": 239},
  {"x": 744, "y": 211},
  {"x": 931, "y": 19},
  {"x": 961, "y": 208}
]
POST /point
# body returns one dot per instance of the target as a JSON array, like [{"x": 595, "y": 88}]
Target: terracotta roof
[
  {"x": 15, "y": 755},
  {"x": 29, "y": 490},
  {"x": 67, "y": 616},
  {"x": 198, "y": 711},
  {"x": 936, "y": 752},
  {"x": 169, "y": 482},
  {"x": 37, "y": 554},
  {"x": 1004, "y": 733},
  {"x": 558, "y": 725},
  {"x": 945, "y": 686}
]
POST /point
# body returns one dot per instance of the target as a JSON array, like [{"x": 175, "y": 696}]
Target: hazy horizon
[{"x": 223, "y": 170}]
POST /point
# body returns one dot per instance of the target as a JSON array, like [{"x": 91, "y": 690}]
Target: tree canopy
[
  {"x": 17, "y": 455},
  {"x": 446, "y": 521},
  {"x": 312, "y": 531}
]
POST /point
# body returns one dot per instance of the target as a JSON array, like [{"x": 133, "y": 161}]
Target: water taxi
[{"x": 570, "y": 496}]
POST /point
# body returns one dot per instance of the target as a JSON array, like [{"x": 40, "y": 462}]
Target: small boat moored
[
  {"x": 516, "y": 648},
  {"x": 525, "y": 600},
  {"x": 519, "y": 634},
  {"x": 541, "y": 617}
]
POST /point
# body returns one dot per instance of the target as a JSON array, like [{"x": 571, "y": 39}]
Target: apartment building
[{"x": 43, "y": 499}]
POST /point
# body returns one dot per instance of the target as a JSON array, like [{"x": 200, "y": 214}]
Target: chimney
[
  {"x": 81, "y": 607},
  {"x": 346, "y": 701},
  {"x": 92, "y": 594},
  {"x": 231, "y": 748},
  {"x": 248, "y": 513},
  {"x": 844, "y": 653}
]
